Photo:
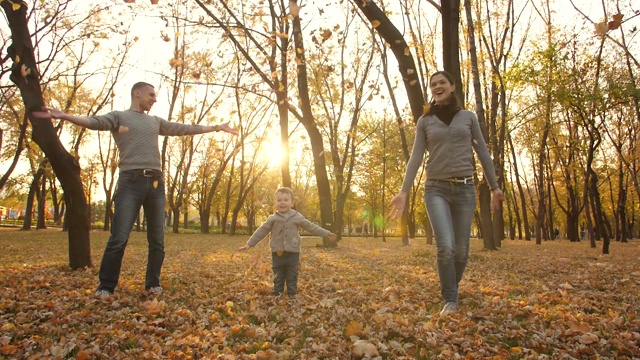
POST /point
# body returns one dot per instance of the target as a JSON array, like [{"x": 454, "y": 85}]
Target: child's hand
[
  {"x": 244, "y": 248},
  {"x": 332, "y": 237}
]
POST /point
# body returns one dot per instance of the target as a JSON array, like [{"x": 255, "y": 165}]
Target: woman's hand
[
  {"x": 398, "y": 203},
  {"x": 497, "y": 197}
]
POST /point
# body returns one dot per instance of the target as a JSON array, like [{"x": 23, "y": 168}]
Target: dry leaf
[
  {"x": 364, "y": 348},
  {"x": 354, "y": 328}
]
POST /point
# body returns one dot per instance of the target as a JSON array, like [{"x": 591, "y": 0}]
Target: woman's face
[{"x": 441, "y": 89}]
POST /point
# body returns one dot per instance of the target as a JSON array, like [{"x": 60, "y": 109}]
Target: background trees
[{"x": 316, "y": 89}]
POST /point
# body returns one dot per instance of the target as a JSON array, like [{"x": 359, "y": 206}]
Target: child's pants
[{"x": 285, "y": 269}]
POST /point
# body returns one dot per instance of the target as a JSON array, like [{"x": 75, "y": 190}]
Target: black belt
[
  {"x": 458, "y": 180},
  {"x": 146, "y": 172}
]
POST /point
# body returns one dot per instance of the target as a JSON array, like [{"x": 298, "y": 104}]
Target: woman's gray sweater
[{"x": 449, "y": 148}]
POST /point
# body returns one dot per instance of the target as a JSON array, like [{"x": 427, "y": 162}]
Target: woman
[{"x": 449, "y": 133}]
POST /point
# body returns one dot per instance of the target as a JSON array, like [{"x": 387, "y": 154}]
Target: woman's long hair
[{"x": 456, "y": 99}]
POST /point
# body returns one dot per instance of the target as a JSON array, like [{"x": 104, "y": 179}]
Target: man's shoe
[
  {"x": 155, "y": 290},
  {"x": 448, "y": 308},
  {"x": 102, "y": 294}
]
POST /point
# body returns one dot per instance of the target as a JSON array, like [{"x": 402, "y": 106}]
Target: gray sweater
[
  {"x": 449, "y": 148},
  {"x": 283, "y": 228},
  {"x": 138, "y": 147}
]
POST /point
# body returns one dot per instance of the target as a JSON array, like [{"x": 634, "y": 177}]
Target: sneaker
[
  {"x": 155, "y": 290},
  {"x": 102, "y": 294},
  {"x": 448, "y": 308}
]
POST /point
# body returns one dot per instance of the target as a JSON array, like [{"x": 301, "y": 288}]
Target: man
[{"x": 140, "y": 182}]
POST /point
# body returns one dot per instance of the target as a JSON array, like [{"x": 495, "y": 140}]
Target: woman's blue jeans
[
  {"x": 134, "y": 191},
  {"x": 450, "y": 207}
]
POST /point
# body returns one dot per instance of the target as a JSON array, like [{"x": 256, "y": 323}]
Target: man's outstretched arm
[{"x": 50, "y": 113}]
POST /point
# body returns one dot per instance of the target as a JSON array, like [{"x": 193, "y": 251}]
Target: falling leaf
[
  {"x": 375, "y": 23},
  {"x": 15, "y": 6},
  {"x": 175, "y": 62},
  {"x": 154, "y": 2},
  {"x": 601, "y": 28},
  {"x": 615, "y": 23},
  {"x": 129, "y": 1},
  {"x": 294, "y": 8},
  {"x": 325, "y": 34},
  {"x": 25, "y": 70}
]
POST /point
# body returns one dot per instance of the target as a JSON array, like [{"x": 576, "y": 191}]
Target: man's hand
[
  {"x": 244, "y": 248},
  {"x": 332, "y": 237},
  {"x": 48, "y": 113},
  {"x": 226, "y": 128},
  {"x": 51, "y": 113}
]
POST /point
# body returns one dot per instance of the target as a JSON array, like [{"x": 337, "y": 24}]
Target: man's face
[
  {"x": 146, "y": 97},
  {"x": 284, "y": 202}
]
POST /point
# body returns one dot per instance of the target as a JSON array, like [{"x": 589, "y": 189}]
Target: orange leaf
[
  {"x": 8, "y": 349},
  {"x": 353, "y": 328}
]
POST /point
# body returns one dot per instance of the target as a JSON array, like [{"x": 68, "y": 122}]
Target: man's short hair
[
  {"x": 285, "y": 190},
  {"x": 139, "y": 85}
]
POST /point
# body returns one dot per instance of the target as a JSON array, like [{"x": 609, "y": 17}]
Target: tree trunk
[
  {"x": 315, "y": 136},
  {"x": 42, "y": 203},
  {"x": 33, "y": 190},
  {"x": 491, "y": 242},
  {"x": 64, "y": 165},
  {"x": 450, "y": 10},
  {"x": 523, "y": 199}
]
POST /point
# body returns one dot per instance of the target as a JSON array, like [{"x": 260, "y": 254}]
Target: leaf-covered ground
[{"x": 365, "y": 299}]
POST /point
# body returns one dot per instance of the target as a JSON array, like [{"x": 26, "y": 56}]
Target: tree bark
[
  {"x": 64, "y": 165},
  {"x": 400, "y": 50},
  {"x": 450, "y": 10},
  {"x": 315, "y": 136}
]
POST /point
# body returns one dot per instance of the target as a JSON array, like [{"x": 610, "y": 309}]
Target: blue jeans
[
  {"x": 450, "y": 208},
  {"x": 285, "y": 269},
  {"x": 133, "y": 191}
]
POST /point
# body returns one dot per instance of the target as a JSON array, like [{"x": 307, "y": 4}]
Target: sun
[{"x": 271, "y": 153}]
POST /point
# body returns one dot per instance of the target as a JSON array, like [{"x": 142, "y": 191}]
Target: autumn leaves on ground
[{"x": 364, "y": 299}]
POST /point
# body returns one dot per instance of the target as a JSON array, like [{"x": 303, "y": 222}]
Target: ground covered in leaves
[{"x": 364, "y": 299}]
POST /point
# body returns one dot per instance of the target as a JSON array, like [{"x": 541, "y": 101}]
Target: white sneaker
[
  {"x": 155, "y": 291},
  {"x": 102, "y": 294},
  {"x": 448, "y": 308}
]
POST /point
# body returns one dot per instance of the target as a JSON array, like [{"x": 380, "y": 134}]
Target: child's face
[{"x": 284, "y": 202}]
